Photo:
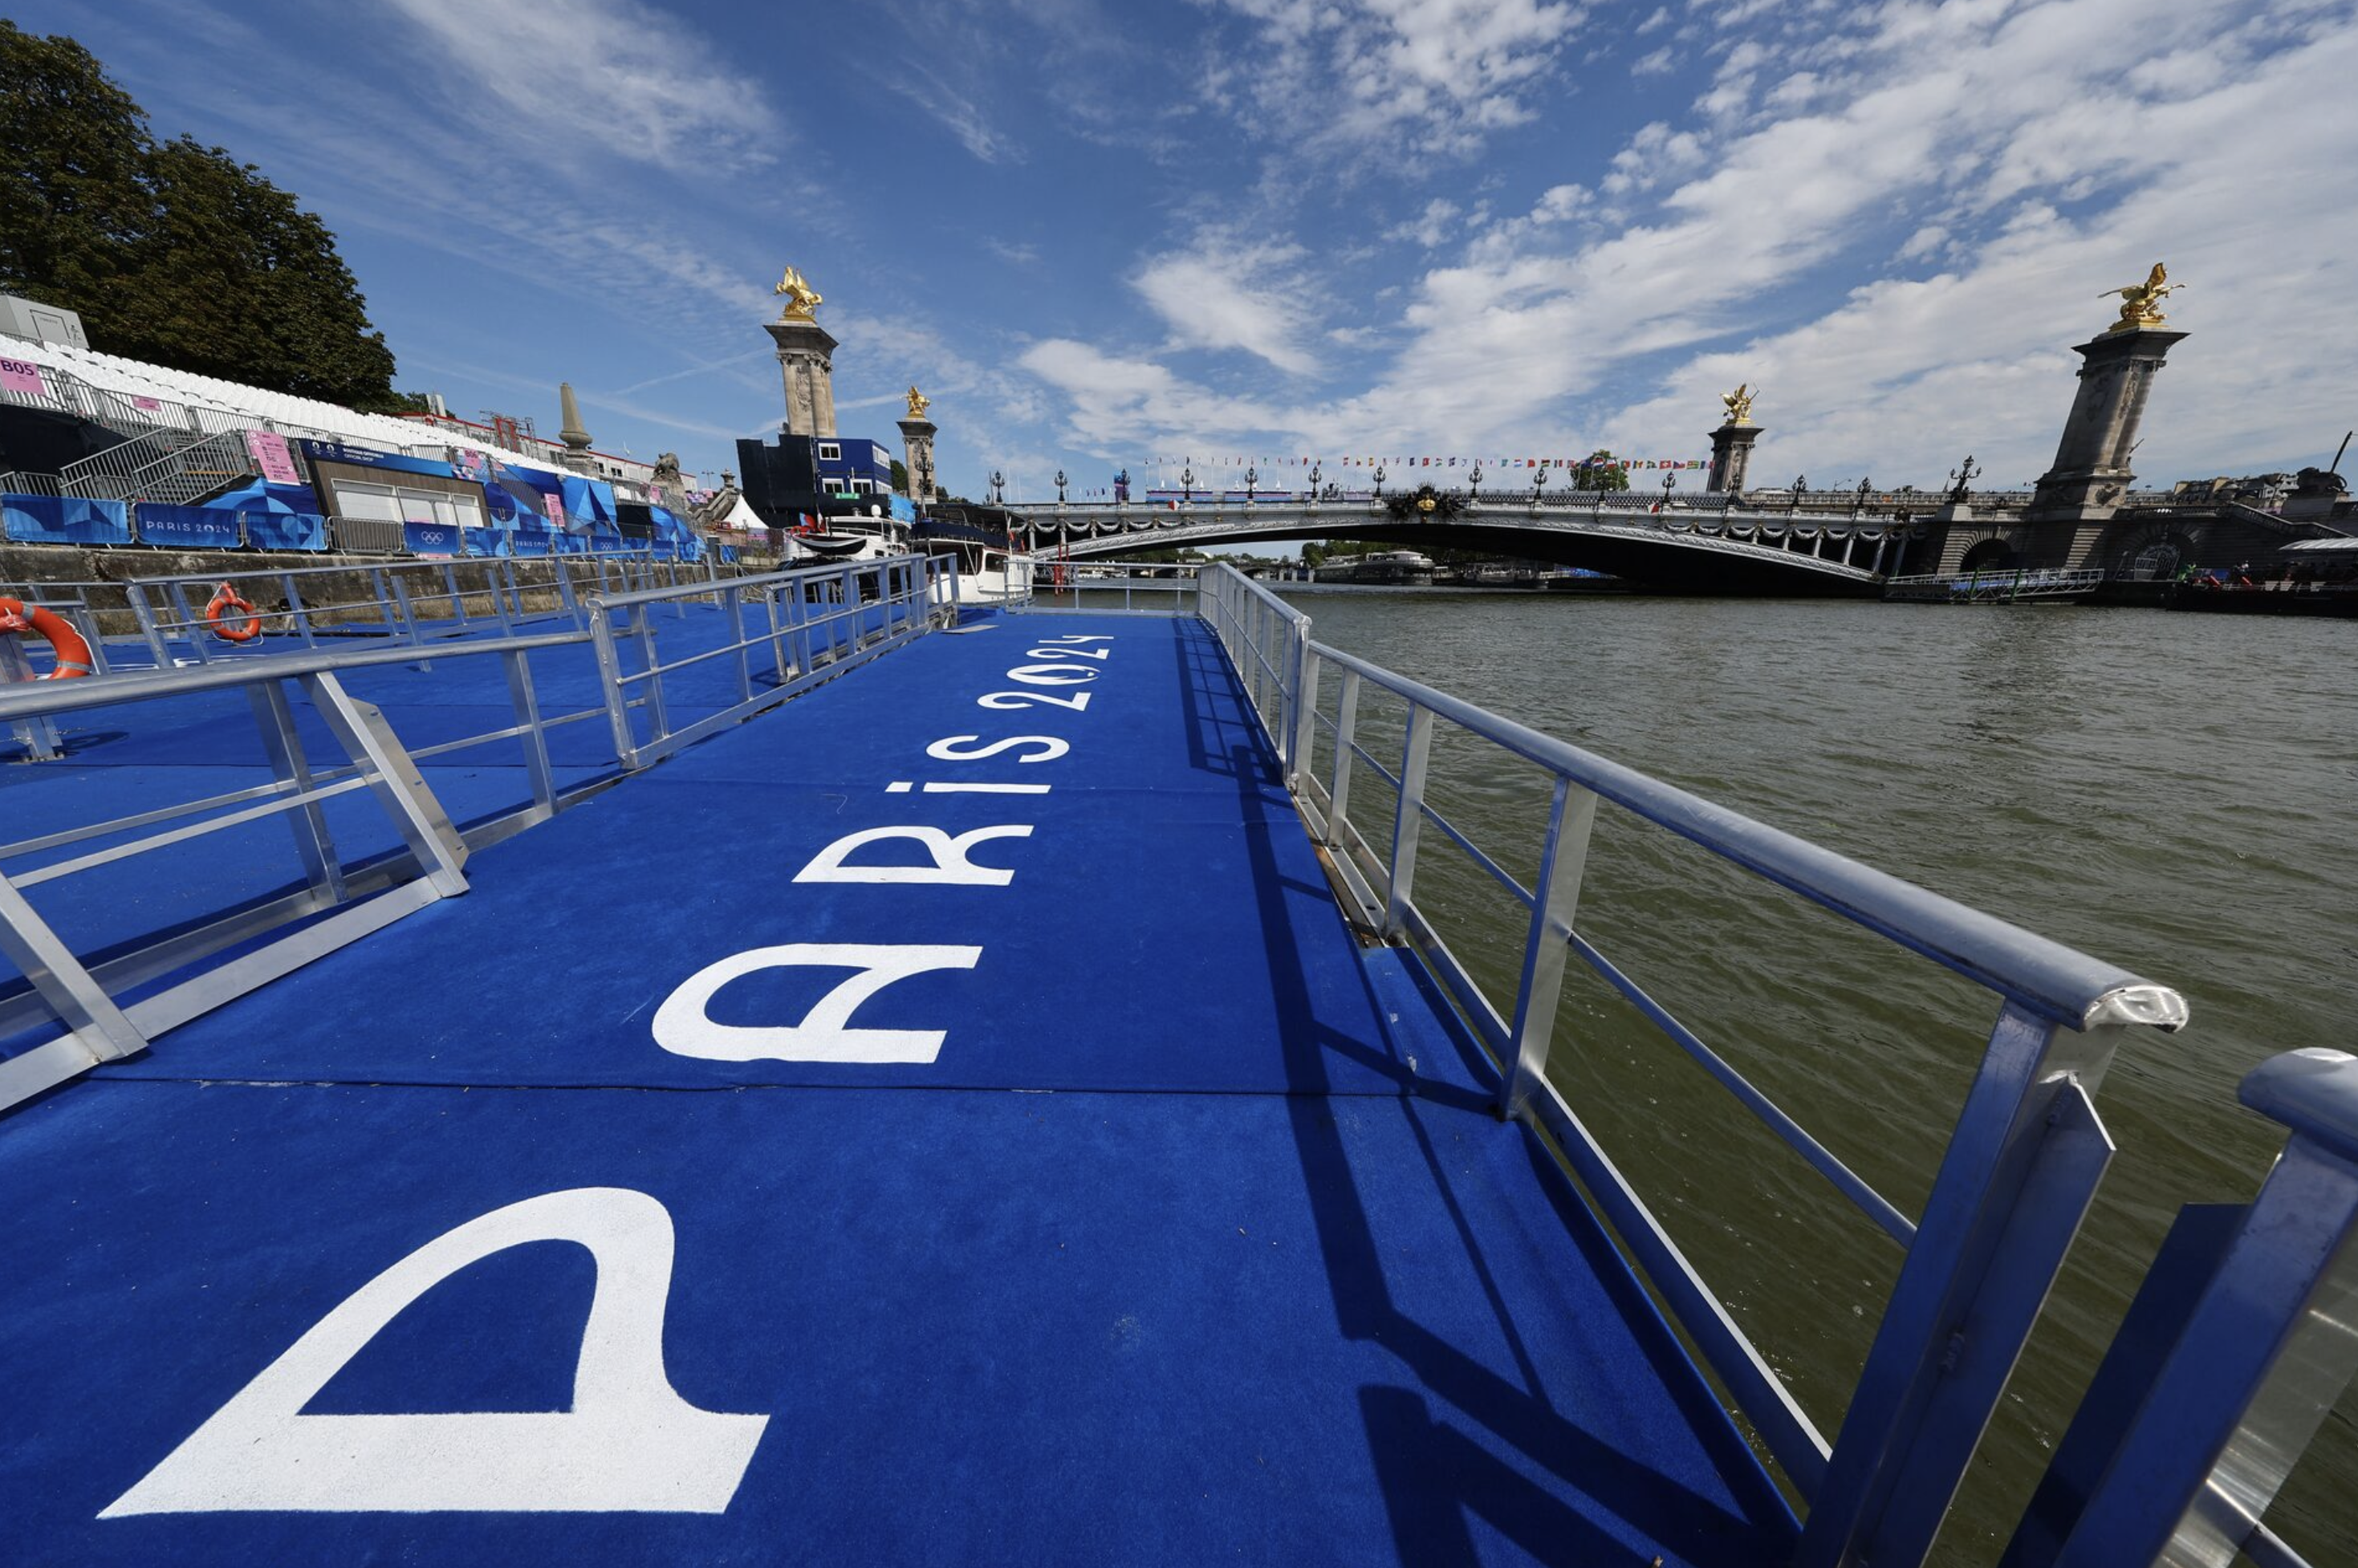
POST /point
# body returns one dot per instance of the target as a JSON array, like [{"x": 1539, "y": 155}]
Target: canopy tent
[{"x": 261, "y": 495}]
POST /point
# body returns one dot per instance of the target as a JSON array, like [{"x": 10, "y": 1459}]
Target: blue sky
[{"x": 1098, "y": 234}]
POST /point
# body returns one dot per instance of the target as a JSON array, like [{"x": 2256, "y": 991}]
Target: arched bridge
[{"x": 1705, "y": 548}]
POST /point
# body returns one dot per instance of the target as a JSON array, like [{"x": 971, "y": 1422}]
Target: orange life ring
[
  {"x": 227, "y": 597},
  {"x": 73, "y": 653}
]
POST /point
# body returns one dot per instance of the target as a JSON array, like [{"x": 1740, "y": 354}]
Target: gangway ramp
[{"x": 871, "y": 1166}]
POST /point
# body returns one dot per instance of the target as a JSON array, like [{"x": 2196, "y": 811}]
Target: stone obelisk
[
  {"x": 576, "y": 455},
  {"x": 1731, "y": 444},
  {"x": 918, "y": 448},
  {"x": 807, "y": 358},
  {"x": 2092, "y": 462}
]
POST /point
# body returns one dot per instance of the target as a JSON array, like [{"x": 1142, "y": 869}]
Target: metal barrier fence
[
  {"x": 415, "y": 602},
  {"x": 1071, "y": 587},
  {"x": 806, "y": 625},
  {"x": 354, "y": 897},
  {"x": 2012, "y": 1186}
]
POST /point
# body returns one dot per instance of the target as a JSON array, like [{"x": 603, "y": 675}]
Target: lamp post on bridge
[
  {"x": 1060, "y": 490},
  {"x": 1253, "y": 478},
  {"x": 1315, "y": 471},
  {"x": 1866, "y": 487},
  {"x": 998, "y": 488},
  {"x": 1187, "y": 485},
  {"x": 1538, "y": 490},
  {"x": 1670, "y": 482},
  {"x": 1380, "y": 481},
  {"x": 1121, "y": 489}
]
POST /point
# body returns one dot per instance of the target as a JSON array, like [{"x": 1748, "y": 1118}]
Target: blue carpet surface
[{"x": 1205, "y": 1245}]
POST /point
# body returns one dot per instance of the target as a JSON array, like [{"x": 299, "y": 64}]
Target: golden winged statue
[
  {"x": 1739, "y": 404},
  {"x": 802, "y": 297},
  {"x": 918, "y": 402},
  {"x": 2141, "y": 302}
]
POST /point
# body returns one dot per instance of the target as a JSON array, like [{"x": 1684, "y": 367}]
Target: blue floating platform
[{"x": 526, "y": 1230}]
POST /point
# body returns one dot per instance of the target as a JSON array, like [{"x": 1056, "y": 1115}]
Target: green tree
[
  {"x": 174, "y": 252},
  {"x": 900, "y": 476},
  {"x": 1600, "y": 472}
]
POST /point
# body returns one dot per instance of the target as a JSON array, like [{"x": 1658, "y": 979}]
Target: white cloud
[
  {"x": 1655, "y": 64},
  {"x": 605, "y": 76},
  {"x": 2033, "y": 150},
  {"x": 1429, "y": 227},
  {"x": 1353, "y": 79},
  {"x": 1119, "y": 403},
  {"x": 1226, "y": 293}
]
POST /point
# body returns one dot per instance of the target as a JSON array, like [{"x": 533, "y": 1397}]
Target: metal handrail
[
  {"x": 44, "y": 697},
  {"x": 911, "y": 592},
  {"x": 350, "y": 901},
  {"x": 394, "y": 602},
  {"x": 2055, "y": 982},
  {"x": 2017, "y": 1178}
]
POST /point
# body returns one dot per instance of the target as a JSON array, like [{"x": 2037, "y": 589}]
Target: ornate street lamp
[
  {"x": 1187, "y": 486},
  {"x": 1315, "y": 471},
  {"x": 1380, "y": 481},
  {"x": 1670, "y": 482},
  {"x": 1538, "y": 488},
  {"x": 1060, "y": 487},
  {"x": 1474, "y": 481},
  {"x": 1960, "y": 483},
  {"x": 1121, "y": 488},
  {"x": 1865, "y": 487},
  {"x": 998, "y": 488},
  {"x": 1253, "y": 478}
]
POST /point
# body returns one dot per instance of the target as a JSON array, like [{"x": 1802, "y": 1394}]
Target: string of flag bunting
[{"x": 1404, "y": 464}]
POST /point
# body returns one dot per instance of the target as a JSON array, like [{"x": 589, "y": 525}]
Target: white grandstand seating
[{"x": 289, "y": 416}]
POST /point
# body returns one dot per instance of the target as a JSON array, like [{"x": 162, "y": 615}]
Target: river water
[{"x": 2173, "y": 793}]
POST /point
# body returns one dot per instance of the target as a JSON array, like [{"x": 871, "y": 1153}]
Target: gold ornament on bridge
[
  {"x": 918, "y": 402},
  {"x": 802, "y": 299},
  {"x": 1739, "y": 404},
  {"x": 2141, "y": 302}
]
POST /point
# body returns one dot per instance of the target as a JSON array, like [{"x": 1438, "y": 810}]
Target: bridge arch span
[{"x": 1698, "y": 552}]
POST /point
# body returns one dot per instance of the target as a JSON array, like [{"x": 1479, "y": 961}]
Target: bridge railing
[
  {"x": 2020, "y": 1168},
  {"x": 780, "y": 634}
]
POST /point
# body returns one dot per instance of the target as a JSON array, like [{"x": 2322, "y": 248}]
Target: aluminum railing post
[
  {"x": 1303, "y": 752},
  {"x": 457, "y": 596},
  {"x": 642, "y": 620},
  {"x": 2269, "y": 1346},
  {"x": 384, "y": 591},
  {"x": 2016, "y": 1181},
  {"x": 283, "y": 746},
  {"x": 609, "y": 681},
  {"x": 1555, "y": 903},
  {"x": 798, "y": 639},
  {"x": 534, "y": 735},
  {"x": 414, "y": 633},
  {"x": 135, "y": 595},
  {"x": 393, "y": 779},
  {"x": 295, "y": 608},
  {"x": 1408, "y": 820},
  {"x": 1346, "y": 727},
  {"x": 187, "y": 616},
  {"x": 37, "y": 734},
  {"x": 72, "y": 992},
  {"x": 734, "y": 612}
]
